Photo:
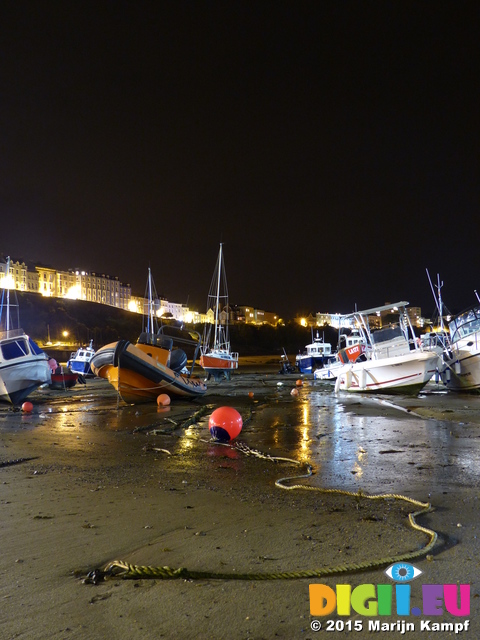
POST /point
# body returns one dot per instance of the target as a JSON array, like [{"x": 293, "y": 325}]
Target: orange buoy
[
  {"x": 27, "y": 407},
  {"x": 163, "y": 400},
  {"x": 299, "y": 383},
  {"x": 251, "y": 394},
  {"x": 294, "y": 392},
  {"x": 225, "y": 423}
]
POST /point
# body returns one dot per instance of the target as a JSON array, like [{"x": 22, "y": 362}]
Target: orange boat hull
[{"x": 218, "y": 363}]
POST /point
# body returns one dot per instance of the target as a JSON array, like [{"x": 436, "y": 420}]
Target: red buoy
[
  {"x": 163, "y": 400},
  {"x": 27, "y": 407},
  {"x": 225, "y": 423},
  {"x": 299, "y": 383}
]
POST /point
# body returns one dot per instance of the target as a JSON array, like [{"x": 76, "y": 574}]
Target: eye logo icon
[{"x": 402, "y": 572}]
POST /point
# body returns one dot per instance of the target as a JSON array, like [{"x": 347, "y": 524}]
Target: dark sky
[{"x": 333, "y": 146}]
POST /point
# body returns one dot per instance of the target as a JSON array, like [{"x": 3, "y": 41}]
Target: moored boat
[
  {"x": 80, "y": 359},
  {"x": 462, "y": 357},
  {"x": 62, "y": 379},
  {"x": 350, "y": 347},
  {"x": 393, "y": 360},
  {"x": 317, "y": 354},
  {"x": 141, "y": 372},
  {"x": 139, "y": 376},
  {"x": 23, "y": 365},
  {"x": 217, "y": 358}
]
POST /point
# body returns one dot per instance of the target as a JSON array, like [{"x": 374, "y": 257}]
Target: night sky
[{"x": 333, "y": 147}]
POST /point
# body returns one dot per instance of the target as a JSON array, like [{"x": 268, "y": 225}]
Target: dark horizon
[{"x": 332, "y": 148}]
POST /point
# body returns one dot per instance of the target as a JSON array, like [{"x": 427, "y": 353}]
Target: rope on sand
[
  {"x": 125, "y": 570},
  {"x": 9, "y": 463}
]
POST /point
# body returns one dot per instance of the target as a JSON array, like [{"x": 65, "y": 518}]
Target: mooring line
[{"x": 125, "y": 570}]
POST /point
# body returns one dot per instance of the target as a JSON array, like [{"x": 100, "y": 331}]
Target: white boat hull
[
  {"x": 328, "y": 371},
  {"x": 399, "y": 374},
  {"x": 462, "y": 370},
  {"x": 19, "y": 378}
]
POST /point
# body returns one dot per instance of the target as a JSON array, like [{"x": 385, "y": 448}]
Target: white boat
[
  {"x": 350, "y": 347},
  {"x": 217, "y": 358},
  {"x": 317, "y": 354},
  {"x": 462, "y": 358},
  {"x": 23, "y": 365},
  {"x": 80, "y": 360},
  {"x": 393, "y": 360}
]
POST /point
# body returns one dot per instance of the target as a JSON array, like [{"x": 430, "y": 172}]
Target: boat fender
[{"x": 119, "y": 349}]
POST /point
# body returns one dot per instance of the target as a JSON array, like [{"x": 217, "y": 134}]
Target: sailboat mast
[
  {"x": 8, "y": 294},
  {"x": 218, "y": 295},
  {"x": 150, "y": 303}
]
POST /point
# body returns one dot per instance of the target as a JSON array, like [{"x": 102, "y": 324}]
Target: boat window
[
  {"x": 34, "y": 347},
  {"x": 388, "y": 333},
  {"x": 15, "y": 349},
  {"x": 469, "y": 328}
]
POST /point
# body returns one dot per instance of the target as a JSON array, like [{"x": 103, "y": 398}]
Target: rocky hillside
[{"x": 84, "y": 321}]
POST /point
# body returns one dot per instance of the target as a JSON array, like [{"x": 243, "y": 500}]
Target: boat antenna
[
  {"x": 475, "y": 291},
  {"x": 437, "y": 298}
]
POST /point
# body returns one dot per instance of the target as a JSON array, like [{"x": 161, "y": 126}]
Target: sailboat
[
  {"x": 217, "y": 359},
  {"x": 141, "y": 372},
  {"x": 23, "y": 365}
]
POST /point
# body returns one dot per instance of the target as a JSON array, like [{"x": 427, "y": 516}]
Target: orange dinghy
[
  {"x": 139, "y": 376},
  {"x": 141, "y": 372}
]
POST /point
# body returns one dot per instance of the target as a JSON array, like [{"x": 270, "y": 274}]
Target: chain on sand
[{"x": 121, "y": 569}]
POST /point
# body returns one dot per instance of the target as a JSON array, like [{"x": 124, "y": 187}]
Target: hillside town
[{"x": 101, "y": 288}]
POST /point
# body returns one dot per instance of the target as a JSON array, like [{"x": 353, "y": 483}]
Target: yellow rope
[{"x": 121, "y": 569}]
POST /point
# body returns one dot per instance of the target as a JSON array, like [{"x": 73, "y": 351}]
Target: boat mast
[
  {"x": 8, "y": 294},
  {"x": 150, "y": 303},
  {"x": 216, "y": 341},
  {"x": 438, "y": 299}
]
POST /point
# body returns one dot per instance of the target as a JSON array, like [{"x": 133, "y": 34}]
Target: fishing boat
[
  {"x": 461, "y": 345},
  {"x": 462, "y": 358},
  {"x": 23, "y": 365},
  {"x": 393, "y": 360},
  {"x": 63, "y": 379},
  {"x": 216, "y": 358},
  {"x": 80, "y": 360},
  {"x": 154, "y": 365},
  {"x": 317, "y": 354},
  {"x": 350, "y": 348}
]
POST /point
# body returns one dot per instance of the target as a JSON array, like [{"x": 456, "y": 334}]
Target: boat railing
[
  {"x": 11, "y": 333},
  {"x": 396, "y": 347}
]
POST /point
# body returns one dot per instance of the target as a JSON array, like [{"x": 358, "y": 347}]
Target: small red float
[
  {"x": 299, "y": 383},
  {"x": 27, "y": 407},
  {"x": 251, "y": 394},
  {"x": 163, "y": 400},
  {"x": 294, "y": 392},
  {"x": 225, "y": 423}
]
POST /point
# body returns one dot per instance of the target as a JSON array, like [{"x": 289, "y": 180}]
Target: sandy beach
[{"x": 92, "y": 480}]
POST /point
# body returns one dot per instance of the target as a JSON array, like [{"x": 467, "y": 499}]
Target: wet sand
[{"x": 108, "y": 481}]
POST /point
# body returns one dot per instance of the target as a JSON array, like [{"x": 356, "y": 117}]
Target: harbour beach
[{"x": 93, "y": 480}]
